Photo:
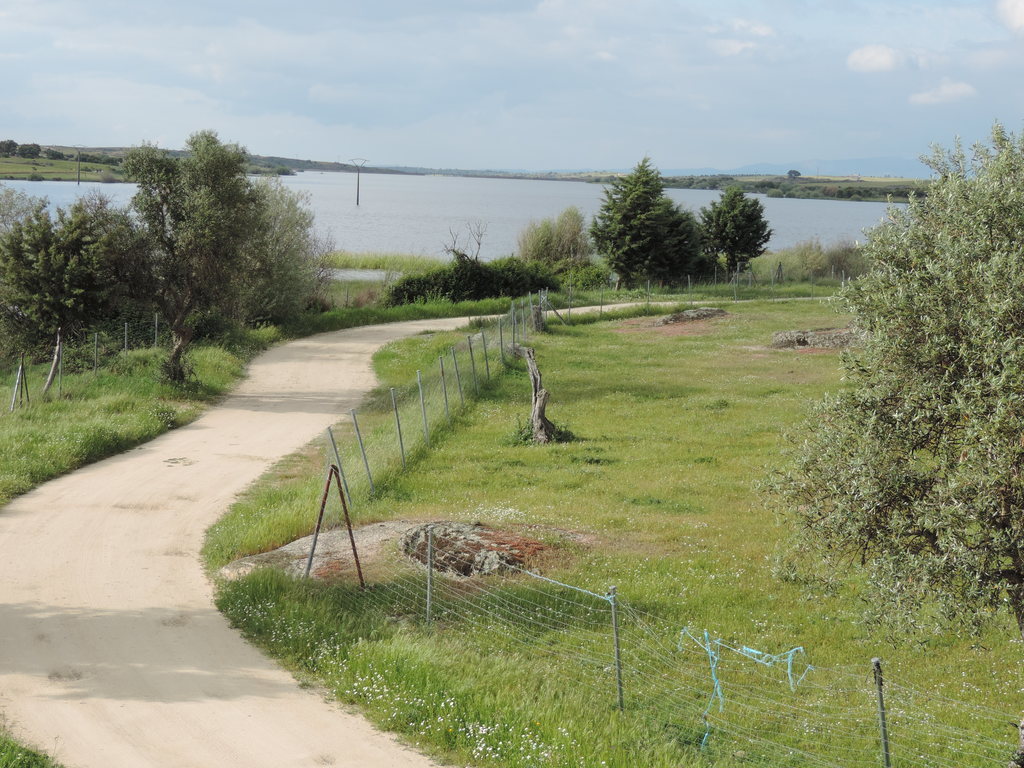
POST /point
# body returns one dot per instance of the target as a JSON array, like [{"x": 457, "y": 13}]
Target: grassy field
[
  {"x": 55, "y": 170},
  {"x": 676, "y": 432}
]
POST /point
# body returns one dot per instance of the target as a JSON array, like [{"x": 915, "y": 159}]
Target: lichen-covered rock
[
  {"x": 822, "y": 338},
  {"x": 689, "y": 315},
  {"x": 468, "y": 549}
]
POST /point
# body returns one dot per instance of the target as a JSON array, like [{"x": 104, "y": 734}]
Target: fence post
[
  {"x": 689, "y": 289},
  {"x": 501, "y": 342},
  {"x": 430, "y": 570},
  {"x": 613, "y": 599},
  {"x": 458, "y": 377},
  {"x": 337, "y": 463},
  {"x": 472, "y": 365},
  {"x": 600, "y": 307},
  {"x": 487, "y": 363},
  {"x": 60, "y": 366},
  {"x": 156, "y": 329},
  {"x": 513, "y": 325},
  {"x": 126, "y": 338},
  {"x": 362, "y": 450},
  {"x": 876, "y": 665},
  {"x": 17, "y": 383},
  {"x": 95, "y": 353},
  {"x": 319, "y": 522},
  {"x": 423, "y": 408},
  {"x": 444, "y": 389},
  {"x": 398, "y": 425}
]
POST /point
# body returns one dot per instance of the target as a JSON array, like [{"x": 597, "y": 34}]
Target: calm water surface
[{"x": 418, "y": 214}]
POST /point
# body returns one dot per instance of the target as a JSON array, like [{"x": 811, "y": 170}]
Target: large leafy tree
[
  {"x": 641, "y": 233},
  {"x": 65, "y": 271},
  {"x": 735, "y": 226},
  {"x": 199, "y": 211},
  {"x": 916, "y": 470}
]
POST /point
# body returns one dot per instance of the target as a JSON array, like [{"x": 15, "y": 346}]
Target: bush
[
  {"x": 810, "y": 259},
  {"x": 467, "y": 279}
]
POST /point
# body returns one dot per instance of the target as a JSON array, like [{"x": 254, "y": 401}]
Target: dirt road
[{"x": 111, "y": 652}]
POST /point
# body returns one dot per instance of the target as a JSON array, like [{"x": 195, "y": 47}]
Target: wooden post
[{"x": 54, "y": 365}]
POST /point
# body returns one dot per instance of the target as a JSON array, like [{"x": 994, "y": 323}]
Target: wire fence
[
  {"x": 92, "y": 350},
  {"x": 728, "y": 702}
]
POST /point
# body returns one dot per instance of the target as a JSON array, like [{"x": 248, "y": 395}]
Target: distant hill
[{"x": 896, "y": 167}]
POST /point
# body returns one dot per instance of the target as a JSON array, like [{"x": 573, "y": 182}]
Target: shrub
[{"x": 467, "y": 279}]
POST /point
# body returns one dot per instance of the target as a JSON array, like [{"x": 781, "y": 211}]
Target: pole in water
[
  {"x": 362, "y": 450},
  {"x": 423, "y": 408},
  {"x": 613, "y": 599},
  {"x": 876, "y": 665},
  {"x": 398, "y": 425}
]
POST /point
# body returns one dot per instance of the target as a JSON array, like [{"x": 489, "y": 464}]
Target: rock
[
  {"x": 689, "y": 315},
  {"x": 468, "y": 549},
  {"x": 822, "y": 338}
]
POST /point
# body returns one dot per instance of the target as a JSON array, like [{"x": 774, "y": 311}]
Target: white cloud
[
  {"x": 874, "y": 58},
  {"x": 1011, "y": 12},
  {"x": 728, "y": 47},
  {"x": 947, "y": 91},
  {"x": 745, "y": 26}
]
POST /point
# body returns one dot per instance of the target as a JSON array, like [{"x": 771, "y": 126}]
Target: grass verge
[{"x": 12, "y": 755}]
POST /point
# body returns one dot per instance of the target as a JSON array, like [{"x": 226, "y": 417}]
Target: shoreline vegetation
[{"x": 103, "y": 164}]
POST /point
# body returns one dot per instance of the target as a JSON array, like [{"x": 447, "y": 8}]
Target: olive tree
[
  {"x": 198, "y": 211},
  {"x": 916, "y": 469}
]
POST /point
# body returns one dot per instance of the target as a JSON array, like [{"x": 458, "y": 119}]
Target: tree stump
[{"x": 543, "y": 429}]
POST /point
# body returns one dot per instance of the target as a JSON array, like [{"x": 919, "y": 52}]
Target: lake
[{"x": 418, "y": 214}]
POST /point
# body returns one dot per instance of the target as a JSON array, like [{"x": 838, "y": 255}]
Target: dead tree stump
[{"x": 543, "y": 429}]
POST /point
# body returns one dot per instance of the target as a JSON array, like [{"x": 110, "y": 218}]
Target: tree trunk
[
  {"x": 182, "y": 336},
  {"x": 1017, "y": 759},
  {"x": 57, "y": 351},
  {"x": 543, "y": 430}
]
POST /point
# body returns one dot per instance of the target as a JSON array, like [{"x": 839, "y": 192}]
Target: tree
[
  {"x": 735, "y": 227},
  {"x": 198, "y": 212},
  {"x": 915, "y": 470},
  {"x": 284, "y": 262},
  {"x": 64, "y": 272},
  {"x": 639, "y": 230},
  {"x": 793, "y": 174},
  {"x": 8, "y": 147},
  {"x": 30, "y": 151}
]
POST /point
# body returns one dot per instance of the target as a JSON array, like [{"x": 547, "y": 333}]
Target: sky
[{"x": 517, "y": 84}]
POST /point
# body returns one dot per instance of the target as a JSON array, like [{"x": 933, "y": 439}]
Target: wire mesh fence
[{"x": 727, "y": 703}]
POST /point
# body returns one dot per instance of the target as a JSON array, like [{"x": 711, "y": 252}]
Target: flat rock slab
[
  {"x": 691, "y": 315},
  {"x": 333, "y": 555},
  {"x": 822, "y": 338}
]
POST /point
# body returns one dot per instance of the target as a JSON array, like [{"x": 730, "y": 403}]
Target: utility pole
[{"x": 358, "y": 162}]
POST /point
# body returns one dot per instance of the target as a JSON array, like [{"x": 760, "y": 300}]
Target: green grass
[
  {"x": 403, "y": 263},
  {"x": 12, "y": 755},
  {"x": 675, "y": 433},
  {"x": 54, "y": 170}
]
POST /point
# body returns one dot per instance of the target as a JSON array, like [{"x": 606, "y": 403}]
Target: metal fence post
[
  {"x": 156, "y": 329},
  {"x": 458, "y": 377},
  {"x": 876, "y": 665},
  {"x": 487, "y": 363},
  {"x": 613, "y": 599},
  {"x": 513, "y": 325},
  {"x": 319, "y": 522},
  {"x": 472, "y": 365},
  {"x": 126, "y": 337},
  {"x": 362, "y": 450},
  {"x": 423, "y": 408},
  {"x": 430, "y": 570},
  {"x": 444, "y": 389},
  {"x": 501, "y": 342},
  {"x": 337, "y": 463},
  {"x": 95, "y": 353},
  {"x": 398, "y": 425}
]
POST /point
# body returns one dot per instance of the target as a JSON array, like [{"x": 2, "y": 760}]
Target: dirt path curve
[{"x": 112, "y": 654}]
